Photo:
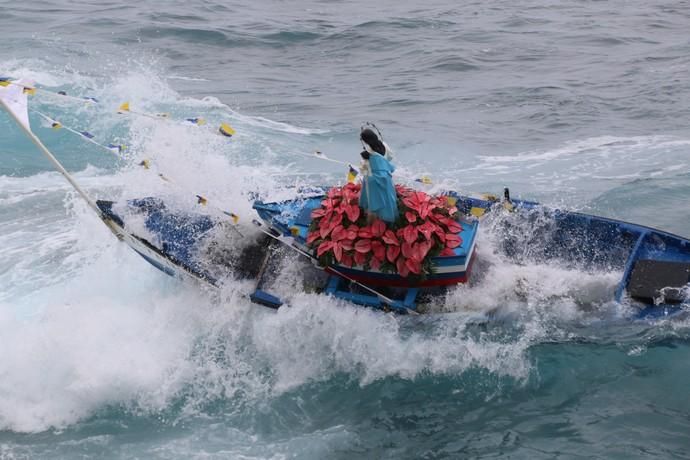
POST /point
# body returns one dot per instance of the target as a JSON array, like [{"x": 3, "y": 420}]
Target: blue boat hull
[{"x": 655, "y": 265}]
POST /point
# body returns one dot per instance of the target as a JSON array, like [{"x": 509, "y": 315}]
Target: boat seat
[{"x": 649, "y": 277}]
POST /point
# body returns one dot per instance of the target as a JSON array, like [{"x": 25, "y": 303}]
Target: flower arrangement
[{"x": 426, "y": 228}]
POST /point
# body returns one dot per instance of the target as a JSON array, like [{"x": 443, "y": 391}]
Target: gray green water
[{"x": 580, "y": 104}]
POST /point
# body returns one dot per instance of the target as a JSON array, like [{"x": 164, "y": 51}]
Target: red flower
[
  {"x": 346, "y": 260},
  {"x": 313, "y": 236},
  {"x": 378, "y": 249},
  {"x": 352, "y": 211},
  {"x": 360, "y": 258},
  {"x": 352, "y": 232},
  {"x": 363, "y": 246},
  {"x": 390, "y": 238},
  {"x": 403, "y": 270},
  {"x": 378, "y": 228},
  {"x": 392, "y": 253},
  {"x": 447, "y": 252},
  {"x": 365, "y": 232},
  {"x": 426, "y": 229},
  {"x": 378, "y": 243},
  {"x": 453, "y": 240},
  {"x": 410, "y": 233},
  {"x": 338, "y": 233},
  {"x": 418, "y": 201},
  {"x": 407, "y": 252},
  {"x": 318, "y": 213},
  {"x": 323, "y": 247},
  {"x": 414, "y": 266}
]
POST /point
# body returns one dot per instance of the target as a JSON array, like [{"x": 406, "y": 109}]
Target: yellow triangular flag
[
  {"x": 226, "y": 130},
  {"x": 123, "y": 108}
]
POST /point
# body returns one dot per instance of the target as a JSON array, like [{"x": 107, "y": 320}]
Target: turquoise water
[{"x": 583, "y": 105}]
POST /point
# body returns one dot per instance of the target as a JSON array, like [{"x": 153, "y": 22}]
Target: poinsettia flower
[
  {"x": 378, "y": 249},
  {"x": 414, "y": 266},
  {"x": 339, "y": 247},
  {"x": 447, "y": 252},
  {"x": 313, "y": 236},
  {"x": 318, "y": 213},
  {"x": 374, "y": 244},
  {"x": 323, "y": 247},
  {"x": 326, "y": 226},
  {"x": 403, "y": 270},
  {"x": 337, "y": 251},
  {"x": 438, "y": 231},
  {"x": 365, "y": 232},
  {"x": 352, "y": 211},
  {"x": 324, "y": 231},
  {"x": 390, "y": 238},
  {"x": 420, "y": 250},
  {"x": 338, "y": 233},
  {"x": 360, "y": 258},
  {"x": 363, "y": 246},
  {"x": 410, "y": 233},
  {"x": 378, "y": 228},
  {"x": 351, "y": 187},
  {"x": 453, "y": 226},
  {"x": 418, "y": 201},
  {"x": 406, "y": 250},
  {"x": 328, "y": 203},
  {"x": 453, "y": 240},
  {"x": 392, "y": 253},
  {"x": 346, "y": 260},
  {"x": 426, "y": 229},
  {"x": 352, "y": 232},
  {"x": 436, "y": 217}
]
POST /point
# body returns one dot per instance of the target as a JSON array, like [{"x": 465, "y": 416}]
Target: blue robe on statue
[{"x": 378, "y": 193}]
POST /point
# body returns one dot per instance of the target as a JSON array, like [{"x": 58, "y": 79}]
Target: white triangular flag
[{"x": 16, "y": 100}]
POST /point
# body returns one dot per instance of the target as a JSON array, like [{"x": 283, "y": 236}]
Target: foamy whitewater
[{"x": 581, "y": 106}]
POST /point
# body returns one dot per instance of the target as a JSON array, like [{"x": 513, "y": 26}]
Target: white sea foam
[{"x": 88, "y": 324}]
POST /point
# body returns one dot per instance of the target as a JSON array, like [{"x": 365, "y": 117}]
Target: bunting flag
[
  {"x": 426, "y": 180},
  {"x": 117, "y": 148},
  {"x": 29, "y": 88},
  {"x": 13, "y": 96},
  {"x": 235, "y": 218},
  {"x": 15, "y": 99},
  {"x": 56, "y": 125},
  {"x": 196, "y": 121},
  {"x": 352, "y": 175},
  {"x": 226, "y": 130}
]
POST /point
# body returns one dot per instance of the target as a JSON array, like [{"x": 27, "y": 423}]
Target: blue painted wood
[{"x": 629, "y": 266}]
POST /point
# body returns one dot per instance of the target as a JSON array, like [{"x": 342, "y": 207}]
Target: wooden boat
[
  {"x": 654, "y": 265},
  {"x": 292, "y": 219}
]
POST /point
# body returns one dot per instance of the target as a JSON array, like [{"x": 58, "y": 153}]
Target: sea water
[{"x": 583, "y": 105}]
